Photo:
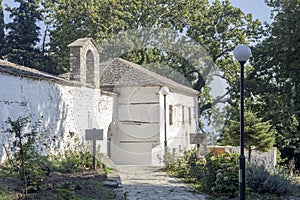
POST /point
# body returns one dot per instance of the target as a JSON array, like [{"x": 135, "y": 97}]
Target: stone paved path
[{"x": 150, "y": 183}]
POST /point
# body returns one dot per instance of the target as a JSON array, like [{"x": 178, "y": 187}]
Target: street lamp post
[
  {"x": 164, "y": 91},
  {"x": 242, "y": 53}
]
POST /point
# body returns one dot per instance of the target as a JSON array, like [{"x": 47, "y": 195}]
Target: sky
[{"x": 257, "y": 8}]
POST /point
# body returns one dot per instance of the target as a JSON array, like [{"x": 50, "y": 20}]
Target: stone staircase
[{"x": 113, "y": 177}]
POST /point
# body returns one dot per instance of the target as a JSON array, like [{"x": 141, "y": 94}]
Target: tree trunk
[
  {"x": 249, "y": 153},
  {"x": 23, "y": 173}
]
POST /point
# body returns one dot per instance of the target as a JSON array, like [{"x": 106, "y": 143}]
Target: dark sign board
[
  {"x": 197, "y": 138},
  {"x": 94, "y": 134}
]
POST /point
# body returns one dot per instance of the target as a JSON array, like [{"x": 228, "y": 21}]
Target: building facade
[{"x": 139, "y": 121}]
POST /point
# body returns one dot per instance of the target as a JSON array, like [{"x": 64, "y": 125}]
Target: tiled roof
[
  {"x": 18, "y": 70},
  {"x": 121, "y": 73},
  {"x": 83, "y": 41}
]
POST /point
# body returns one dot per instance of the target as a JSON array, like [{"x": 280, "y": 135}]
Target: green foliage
[
  {"x": 223, "y": 174},
  {"x": 226, "y": 182},
  {"x": 106, "y": 194},
  {"x": 33, "y": 169},
  {"x": 259, "y": 135},
  {"x": 185, "y": 166},
  {"x": 217, "y": 27},
  {"x": 169, "y": 158},
  {"x": 73, "y": 161},
  {"x": 75, "y": 158},
  {"x": 262, "y": 181},
  {"x": 217, "y": 175},
  {"x": 23, "y": 34},
  {"x": 23, "y": 150},
  {"x": 5, "y": 195},
  {"x": 277, "y": 73},
  {"x": 65, "y": 191},
  {"x": 93, "y": 18}
]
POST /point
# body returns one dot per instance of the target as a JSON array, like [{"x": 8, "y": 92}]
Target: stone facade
[
  {"x": 120, "y": 97},
  {"x": 66, "y": 108},
  {"x": 140, "y": 134},
  {"x": 84, "y": 61}
]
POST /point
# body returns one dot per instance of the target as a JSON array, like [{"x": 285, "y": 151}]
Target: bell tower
[{"x": 84, "y": 62}]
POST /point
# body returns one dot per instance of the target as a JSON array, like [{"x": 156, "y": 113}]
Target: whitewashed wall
[
  {"x": 183, "y": 123},
  {"x": 137, "y": 125},
  {"x": 66, "y": 109},
  {"x": 139, "y": 138}
]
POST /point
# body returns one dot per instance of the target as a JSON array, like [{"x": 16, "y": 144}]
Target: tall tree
[
  {"x": 23, "y": 33},
  {"x": 219, "y": 30},
  {"x": 259, "y": 134},
  {"x": 277, "y": 72},
  {"x": 2, "y": 27},
  {"x": 93, "y": 18},
  {"x": 218, "y": 27}
]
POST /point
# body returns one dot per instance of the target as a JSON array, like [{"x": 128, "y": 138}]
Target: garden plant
[{"x": 217, "y": 176}]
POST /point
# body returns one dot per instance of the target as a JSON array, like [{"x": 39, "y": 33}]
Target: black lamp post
[
  {"x": 164, "y": 91},
  {"x": 242, "y": 53}
]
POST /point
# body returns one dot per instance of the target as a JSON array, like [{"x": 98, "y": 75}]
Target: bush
[
  {"x": 24, "y": 156},
  {"x": 262, "y": 181},
  {"x": 218, "y": 175},
  {"x": 212, "y": 174},
  {"x": 75, "y": 158},
  {"x": 223, "y": 175},
  {"x": 169, "y": 158}
]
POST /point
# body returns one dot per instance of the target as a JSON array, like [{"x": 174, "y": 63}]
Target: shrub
[
  {"x": 262, "y": 181},
  {"x": 23, "y": 160},
  {"x": 212, "y": 174},
  {"x": 218, "y": 175},
  {"x": 169, "y": 159},
  {"x": 75, "y": 158},
  {"x": 187, "y": 166},
  {"x": 224, "y": 175},
  {"x": 24, "y": 156}
]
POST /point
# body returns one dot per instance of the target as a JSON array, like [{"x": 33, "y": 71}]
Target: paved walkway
[{"x": 150, "y": 183}]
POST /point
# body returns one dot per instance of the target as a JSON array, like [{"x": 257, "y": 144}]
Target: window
[
  {"x": 182, "y": 114},
  {"x": 190, "y": 116},
  {"x": 170, "y": 114},
  {"x": 90, "y": 68}
]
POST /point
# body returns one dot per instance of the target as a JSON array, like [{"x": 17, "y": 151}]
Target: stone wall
[
  {"x": 65, "y": 109},
  {"x": 267, "y": 159}
]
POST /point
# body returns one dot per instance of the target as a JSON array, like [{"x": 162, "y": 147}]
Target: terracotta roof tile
[
  {"x": 120, "y": 73},
  {"x": 18, "y": 70}
]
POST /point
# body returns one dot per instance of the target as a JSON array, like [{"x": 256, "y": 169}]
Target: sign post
[
  {"x": 197, "y": 138},
  {"x": 94, "y": 134}
]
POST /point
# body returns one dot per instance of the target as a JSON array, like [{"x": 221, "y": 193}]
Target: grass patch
[
  {"x": 4, "y": 195},
  {"x": 85, "y": 185}
]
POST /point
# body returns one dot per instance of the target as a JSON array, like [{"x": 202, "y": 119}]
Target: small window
[
  {"x": 90, "y": 67},
  {"x": 170, "y": 114},
  {"x": 182, "y": 114},
  {"x": 190, "y": 116}
]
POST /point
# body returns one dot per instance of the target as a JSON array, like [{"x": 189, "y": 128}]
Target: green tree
[
  {"x": 2, "y": 27},
  {"x": 23, "y": 34},
  {"x": 259, "y": 134},
  {"x": 277, "y": 72},
  {"x": 217, "y": 27},
  {"x": 93, "y": 18},
  {"x": 22, "y": 147}
]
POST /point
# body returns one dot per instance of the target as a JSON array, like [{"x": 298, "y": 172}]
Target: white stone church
[{"x": 141, "y": 113}]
